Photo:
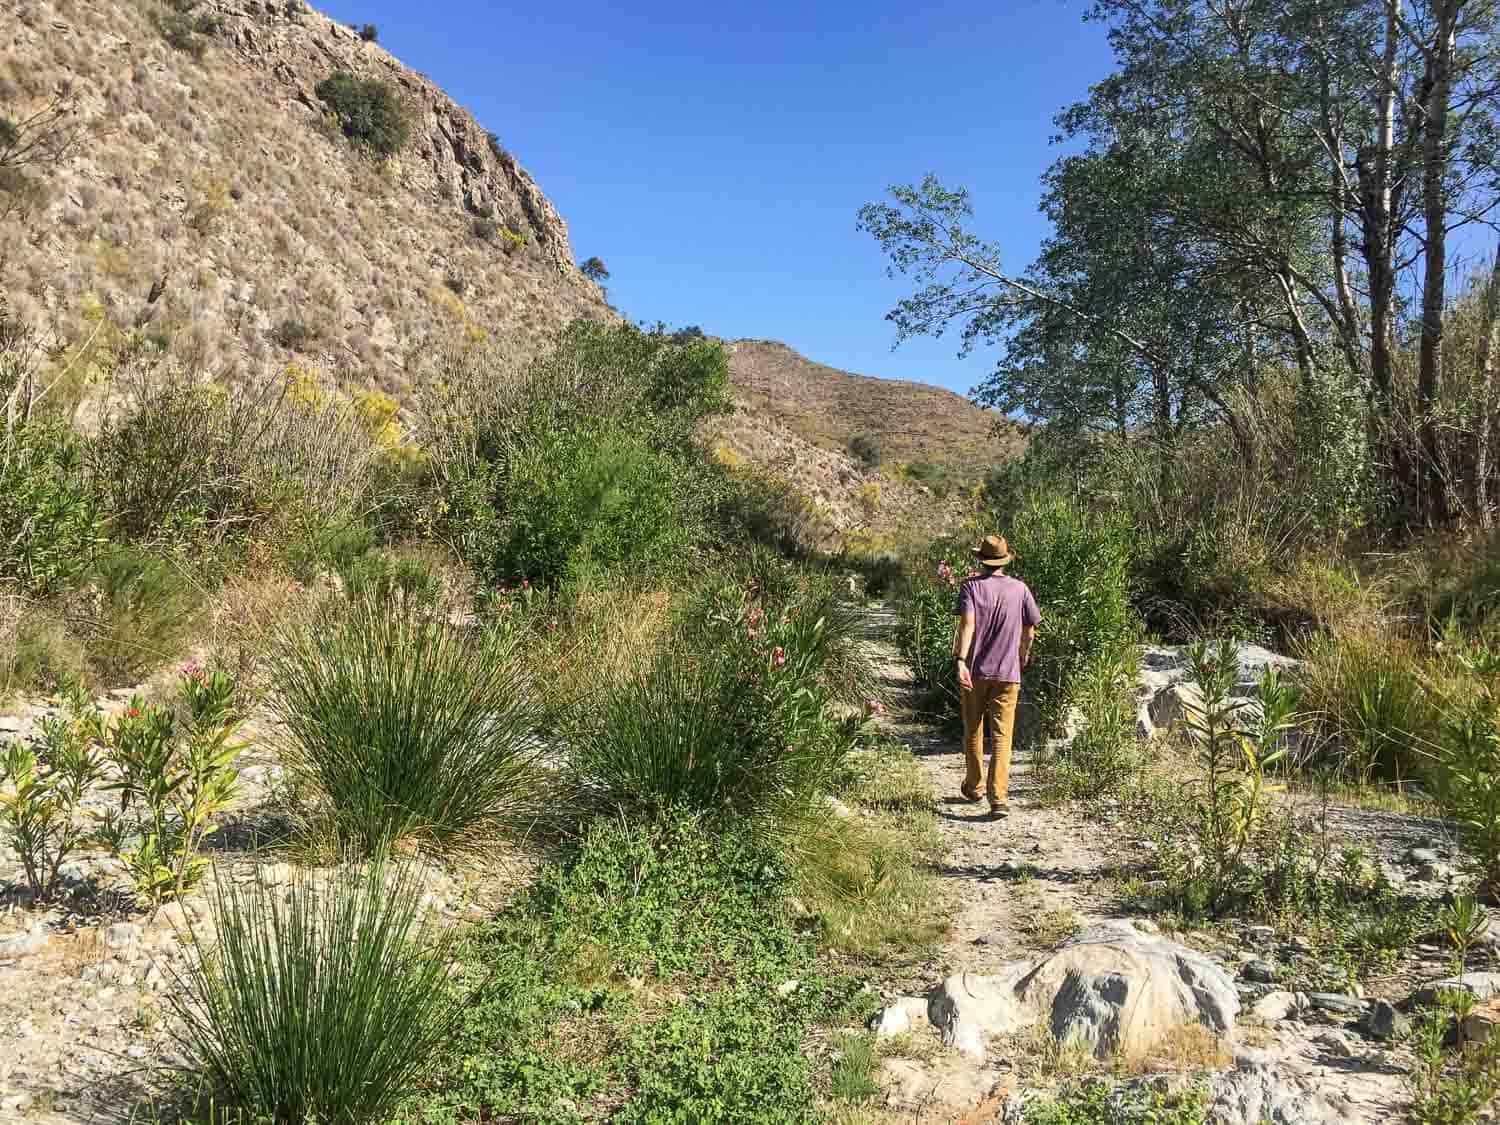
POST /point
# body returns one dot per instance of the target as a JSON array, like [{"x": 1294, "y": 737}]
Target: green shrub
[
  {"x": 296, "y": 335},
  {"x": 174, "y": 775},
  {"x": 50, "y": 519},
  {"x": 865, "y": 448},
  {"x": 321, "y": 1001},
  {"x": 369, "y": 33},
  {"x": 379, "y": 577},
  {"x": 185, "y": 31},
  {"x": 926, "y": 615},
  {"x": 486, "y": 230},
  {"x": 146, "y": 613},
  {"x": 587, "y": 460},
  {"x": 408, "y": 726},
  {"x": 1468, "y": 767},
  {"x": 1103, "y": 756},
  {"x": 734, "y": 716},
  {"x": 45, "y": 657},
  {"x": 1077, "y": 562},
  {"x": 369, "y": 111},
  {"x": 497, "y": 150},
  {"x": 1368, "y": 693},
  {"x": 1101, "y": 1103},
  {"x": 42, "y": 810}
]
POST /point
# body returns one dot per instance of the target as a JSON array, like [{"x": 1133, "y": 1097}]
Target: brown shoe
[{"x": 970, "y": 795}]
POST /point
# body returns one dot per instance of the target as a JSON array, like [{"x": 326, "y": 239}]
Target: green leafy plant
[
  {"x": 734, "y": 716},
  {"x": 173, "y": 776},
  {"x": 1468, "y": 772},
  {"x": 407, "y": 725},
  {"x": 42, "y": 810},
  {"x": 1235, "y": 755},
  {"x": 1451, "y": 1088},
  {"x": 51, "y": 523},
  {"x": 318, "y": 1001},
  {"x": 144, "y": 610},
  {"x": 865, "y": 448},
  {"x": 369, "y": 111}
]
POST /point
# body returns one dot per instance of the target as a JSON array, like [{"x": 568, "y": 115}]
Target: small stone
[
  {"x": 122, "y": 936},
  {"x": 137, "y": 1051},
  {"x": 1273, "y": 1007},
  {"x": 32, "y": 941},
  {"x": 1336, "y": 1003},
  {"x": 787, "y": 987},
  {"x": 1335, "y": 1044},
  {"x": 1260, "y": 936},
  {"x": 1480, "y": 1023},
  {"x": 1382, "y": 1021},
  {"x": 153, "y": 979},
  {"x": 1481, "y": 986},
  {"x": 1146, "y": 926},
  {"x": 1261, "y": 972},
  {"x": 899, "y": 1017},
  {"x": 994, "y": 937},
  {"x": 1416, "y": 857}
]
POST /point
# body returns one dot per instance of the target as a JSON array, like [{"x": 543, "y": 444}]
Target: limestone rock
[
  {"x": 898, "y": 1018},
  {"x": 1481, "y": 986},
  {"x": 942, "y": 1085},
  {"x": 1382, "y": 1021},
  {"x": 32, "y": 941},
  {"x": 1258, "y": 1092},
  {"x": 1480, "y": 1023},
  {"x": 1111, "y": 987},
  {"x": 1273, "y": 1007}
]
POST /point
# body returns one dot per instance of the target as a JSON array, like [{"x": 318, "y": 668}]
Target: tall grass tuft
[
  {"x": 1368, "y": 691},
  {"x": 408, "y": 726},
  {"x": 317, "y": 1002}
]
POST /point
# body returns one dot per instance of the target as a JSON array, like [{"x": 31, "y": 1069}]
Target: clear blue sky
[{"x": 714, "y": 155}]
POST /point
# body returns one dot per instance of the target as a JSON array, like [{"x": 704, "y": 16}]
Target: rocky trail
[{"x": 969, "y": 1043}]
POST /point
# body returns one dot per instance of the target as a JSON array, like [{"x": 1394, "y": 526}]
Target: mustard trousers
[{"x": 995, "y": 701}]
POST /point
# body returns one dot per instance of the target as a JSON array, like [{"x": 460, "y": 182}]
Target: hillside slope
[
  {"x": 913, "y": 422},
  {"x": 210, "y": 173}
]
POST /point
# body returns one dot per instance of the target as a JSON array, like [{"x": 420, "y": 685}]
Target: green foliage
[
  {"x": 369, "y": 111},
  {"x": 853, "y": 1076},
  {"x": 50, "y": 520},
  {"x": 596, "y": 271},
  {"x": 587, "y": 461},
  {"x": 1076, "y": 560},
  {"x": 369, "y": 33},
  {"x": 926, "y": 618},
  {"x": 865, "y": 448},
  {"x": 408, "y": 726},
  {"x": 145, "y": 613},
  {"x": 1103, "y": 756},
  {"x": 1468, "y": 767},
  {"x": 734, "y": 714},
  {"x": 1369, "y": 691},
  {"x": 1451, "y": 1088},
  {"x": 321, "y": 1001},
  {"x": 380, "y": 577},
  {"x": 566, "y": 1014},
  {"x": 486, "y": 230},
  {"x": 42, "y": 810},
  {"x": 174, "y": 775},
  {"x": 185, "y": 31},
  {"x": 296, "y": 335},
  {"x": 1099, "y": 1103},
  {"x": 731, "y": 1057},
  {"x": 1235, "y": 755},
  {"x": 497, "y": 150}
]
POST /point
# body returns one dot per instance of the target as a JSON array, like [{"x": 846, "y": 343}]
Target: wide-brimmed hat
[{"x": 993, "y": 551}]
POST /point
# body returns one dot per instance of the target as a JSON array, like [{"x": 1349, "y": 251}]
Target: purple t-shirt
[{"x": 1001, "y": 606}]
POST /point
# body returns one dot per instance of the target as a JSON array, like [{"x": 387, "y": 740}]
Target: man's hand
[{"x": 965, "y": 679}]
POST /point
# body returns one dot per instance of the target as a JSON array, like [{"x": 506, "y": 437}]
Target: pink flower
[
  {"x": 874, "y": 707},
  {"x": 778, "y": 656}
]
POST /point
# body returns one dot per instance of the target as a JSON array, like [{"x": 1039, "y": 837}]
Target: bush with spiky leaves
[
  {"x": 408, "y": 726},
  {"x": 317, "y": 1002}
]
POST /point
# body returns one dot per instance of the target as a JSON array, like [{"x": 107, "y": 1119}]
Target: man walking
[{"x": 997, "y": 619}]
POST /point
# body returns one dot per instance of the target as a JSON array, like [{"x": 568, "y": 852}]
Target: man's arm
[
  {"x": 963, "y": 637},
  {"x": 1028, "y": 634}
]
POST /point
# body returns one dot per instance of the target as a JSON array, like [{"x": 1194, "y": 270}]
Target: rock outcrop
[{"x": 1112, "y": 989}]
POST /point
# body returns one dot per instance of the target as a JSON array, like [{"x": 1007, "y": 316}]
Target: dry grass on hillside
[
  {"x": 210, "y": 171},
  {"x": 913, "y": 422}
]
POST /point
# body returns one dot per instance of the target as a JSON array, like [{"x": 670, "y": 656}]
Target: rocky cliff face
[
  {"x": 212, "y": 203},
  {"x": 451, "y": 157}
]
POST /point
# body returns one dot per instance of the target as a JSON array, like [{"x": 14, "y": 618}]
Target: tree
[
  {"x": 865, "y": 448},
  {"x": 595, "y": 270},
  {"x": 368, "y": 109},
  {"x": 369, "y": 33}
]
